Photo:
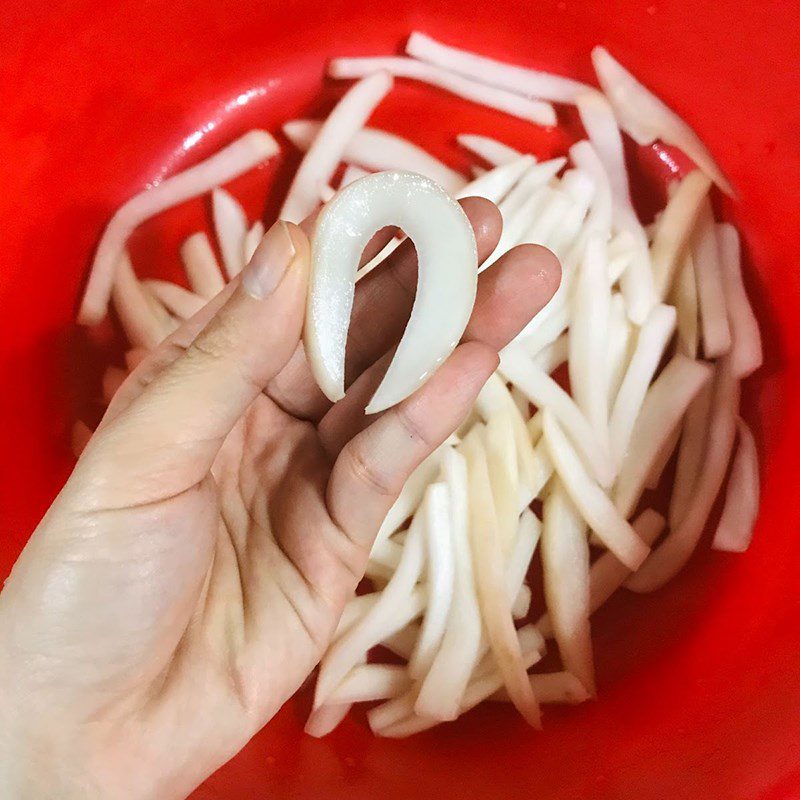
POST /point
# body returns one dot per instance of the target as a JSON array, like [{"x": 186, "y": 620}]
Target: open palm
[{"x": 192, "y": 571}]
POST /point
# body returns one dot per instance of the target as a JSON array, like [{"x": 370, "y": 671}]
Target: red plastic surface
[{"x": 699, "y": 683}]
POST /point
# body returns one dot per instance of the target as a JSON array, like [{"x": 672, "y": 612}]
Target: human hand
[{"x": 192, "y": 571}]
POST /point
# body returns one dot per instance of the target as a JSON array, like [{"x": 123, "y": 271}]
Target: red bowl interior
[{"x": 699, "y": 690}]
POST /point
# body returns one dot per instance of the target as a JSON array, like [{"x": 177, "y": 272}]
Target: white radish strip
[
  {"x": 142, "y": 327},
  {"x": 654, "y": 336},
  {"x": 663, "y": 408},
  {"x": 534, "y": 426},
  {"x": 476, "y": 170},
  {"x": 498, "y": 182},
  {"x": 545, "y": 227},
  {"x": 637, "y": 281},
  {"x": 561, "y": 688},
  {"x": 492, "y": 595},
  {"x": 684, "y": 298},
  {"x": 494, "y": 398},
  {"x": 535, "y": 177},
  {"x": 565, "y": 571},
  {"x": 368, "y": 682},
  {"x": 393, "y": 720},
  {"x": 544, "y": 392},
  {"x": 584, "y": 157},
  {"x": 443, "y": 687},
  {"x": 386, "y": 552},
  {"x": 694, "y": 433},
  {"x": 588, "y": 338},
  {"x": 447, "y": 282},
  {"x": 440, "y": 577},
  {"x": 735, "y": 529},
  {"x": 352, "y": 172},
  {"x": 379, "y": 150},
  {"x": 230, "y": 225},
  {"x": 326, "y": 151},
  {"x": 490, "y": 150},
  {"x": 676, "y": 549},
  {"x": 646, "y": 118},
  {"x": 501, "y": 459},
  {"x": 710, "y": 287},
  {"x": 550, "y": 322},
  {"x": 608, "y": 573},
  {"x": 79, "y": 437},
  {"x": 522, "y": 603},
  {"x": 590, "y": 500},
  {"x": 252, "y": 239},
  {"x": 178, "y": 301},
  {"x": 202, "y": 269},
  {"x": 528, "y": 533},
  {"x": 620, "y": 334},
  {"x": 378, "y": 573},
  {"x": 534, "y": 111},
  {"x": 324, "y": 719},
  {"x": 167, "y": 321},
  {"x": 403, "y": 642},
  {"x": 524, "y": 81},
  {"x": 551, "y": 357},
  {"x": 410, "y": 495},
  {"x": 226, "y": 164},
  {"x": 746, "y": 350},
  {"x": 399, "y": 603},
  {"x": 355, "y": 608},
  {"x": 674, "y": 229}
]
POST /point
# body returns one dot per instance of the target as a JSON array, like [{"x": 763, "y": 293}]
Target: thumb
[{"x": 167, "y": 439}]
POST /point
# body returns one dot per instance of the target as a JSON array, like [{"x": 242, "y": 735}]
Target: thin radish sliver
[
  {"x": 202, "y": 269},
  {"x": 230, "y": 224},
  {"x": 490, "y": 150},
  {"x": 532, "y": 110},
  {"x": 327, "y": 150},
  {"x": 378, "y": 151},
  {"x": 646, "y": 118},
  {"x": 522, "y": 80}
]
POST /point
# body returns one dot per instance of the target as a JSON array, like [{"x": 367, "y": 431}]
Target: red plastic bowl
[{"x": 699, "y": 683}]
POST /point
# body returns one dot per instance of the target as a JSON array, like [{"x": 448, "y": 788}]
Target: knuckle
[{"x": 367, "y": 472}]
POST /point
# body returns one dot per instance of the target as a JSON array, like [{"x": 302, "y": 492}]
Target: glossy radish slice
[{"x": 446, "y": 286}]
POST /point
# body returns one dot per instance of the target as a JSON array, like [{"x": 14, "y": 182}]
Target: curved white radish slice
[
  {"x": 352, "y": 172},
  {"x": 230, "y": 225},
  {"x": 590, "y": 500},
  {"x": 735, "y": 528},
  {"x": 402, "y": 642},
  {"x": 676, "y": 549},
  {"x": 448, "y": 276},
  {"x": 437, "y": 511},
  {"x": 238, "y": 157},
  {"x": 620, "y": 334},
  {"x": 501, "y": 458},
  {"x": 524, "y": 81},
  {"x": 522, "y": 603},
  {"x": 646, "y": 118},
  {"x": 653, "y": 339},
  {"x": 661, "y": 412},
  {"x": 565, "y": 570},
  {"x": 532, "y": 110},
  {"x": 202, "y": 269},
  {"x": 560, "y": 688},
  {"x": 491, "y": 150},
  {"x": 325, "y": 152},
  {"x": 378, "y": 150},
  {"x": 746, "y": 352}
]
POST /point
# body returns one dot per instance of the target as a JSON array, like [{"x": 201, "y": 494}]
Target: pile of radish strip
[{"x": 651, "y": 330}]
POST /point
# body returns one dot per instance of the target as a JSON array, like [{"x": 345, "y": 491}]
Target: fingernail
[{"x": 269, "y": 262}]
